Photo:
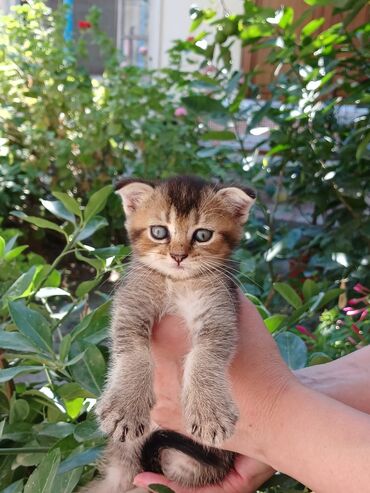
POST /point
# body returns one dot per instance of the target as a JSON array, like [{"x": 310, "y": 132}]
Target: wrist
[{"x": 259, "y": 408}]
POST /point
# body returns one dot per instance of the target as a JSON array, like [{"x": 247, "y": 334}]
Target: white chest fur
[{"x": 188, "y": 301}]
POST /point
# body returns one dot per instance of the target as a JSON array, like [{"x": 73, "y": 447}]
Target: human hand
[
  {"x": 257, "y": 376},
  {"x": 246, "y": 476}
]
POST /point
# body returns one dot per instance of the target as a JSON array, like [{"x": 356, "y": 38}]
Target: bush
[
  {"x": 54, "y": 353},
  {"x": 66, "y": 136},
  {"x": 314, "y": 161}
]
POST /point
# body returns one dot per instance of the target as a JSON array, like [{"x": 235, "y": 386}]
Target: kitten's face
[{"x": 184, "y": 227}]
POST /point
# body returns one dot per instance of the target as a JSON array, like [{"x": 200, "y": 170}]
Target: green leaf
[
  {"x": 74, "y": 407},
  {"x": 86, "y": 286},
  {"x": 221, "y": 135},
  {"x": 15, "y": 371},
  {"x": 88, "y": 430},
  {"x": 39, "y": 222},
  {"x": 19, "y": 410},
  {"x": 274, "y": 322},
  {"x": 72, "y": 390},
  {"x": 14, "y": 253},
  {"x": 56, "y": 430},
  {"x": 97, "y": 263},
  {"x": 292, "y": 349},
  {"x": 160, "y": 488},
  {"x": 65, "y": 346},
  {"x": 204, "y": 104},
  {"x": 84, "y": 458},
  {"x": 309, "y": 289},
  {"x": 362, "y": 147},
  {"x": 319, "y": 358},
  {"x": 16, "y": 487},
  {"x": 89, "y": 372},
  {"x": 91, "y": 227},
  {"x": 69, "y": 203},
  {"x": 97, "y": 202},
  {"x": 287, "y": 18},
  {"x": 15, "y": 342},
  {"x": 66, "y": 483},
  {"x": 288, "y": 293},
  {"x": 112, "y": 251},
  {"x": 59, "y": 210},
  {"x": 94, "y": 327},
  {"x": 329, "y": 296},
  {"x": 2, "y": 246},
  {"x": 42, "y": 478},
  {"x": 32, "y": 325},
  {"x": 22, "y": 287},
  {"x": 254, "y": 31},
  {"x": 312, "y": 26}
]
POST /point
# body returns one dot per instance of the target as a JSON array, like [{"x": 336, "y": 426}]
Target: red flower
[
  {"x": 84, "y": 24},
  {"x": 357, "y": 330},
  {"x": 190, "y": 39}
]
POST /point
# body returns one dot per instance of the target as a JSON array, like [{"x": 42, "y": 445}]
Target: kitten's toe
[
  {"x": 129, "y": 429},
  {"x": 121, "y": 420},
  {"x": 212, "y": 425}
]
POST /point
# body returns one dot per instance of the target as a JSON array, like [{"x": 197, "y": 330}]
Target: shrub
[
  {"x": 62, "y": 130},
  {"x": 313, "y": 162},
  {"x": 54, "y": 353}
]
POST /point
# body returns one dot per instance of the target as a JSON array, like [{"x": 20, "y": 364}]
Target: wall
[{"x": 169, "y": 20}]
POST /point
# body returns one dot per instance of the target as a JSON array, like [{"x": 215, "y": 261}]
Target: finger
[{"x": 145, "y": 479}]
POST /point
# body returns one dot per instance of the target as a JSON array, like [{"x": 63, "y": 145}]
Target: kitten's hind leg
[{"x": 118, "y": 467}]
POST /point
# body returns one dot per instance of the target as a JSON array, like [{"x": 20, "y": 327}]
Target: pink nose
[{"x": 178, "y": 257}]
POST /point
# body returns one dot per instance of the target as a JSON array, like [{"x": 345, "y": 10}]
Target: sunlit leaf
[
  {"x": 69, "y": 203},
  {"x": 97, "y": 202},
  {"x": 58, "y": 209},
  {"x": 38, "y": 221}
]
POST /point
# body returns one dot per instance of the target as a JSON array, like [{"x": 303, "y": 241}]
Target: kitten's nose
[{"x": 178, "y": 257}]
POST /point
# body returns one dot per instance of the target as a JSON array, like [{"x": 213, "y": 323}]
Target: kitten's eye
[
  {"x": 159, "y": 232},
  {"x": 202, "y": 235}
]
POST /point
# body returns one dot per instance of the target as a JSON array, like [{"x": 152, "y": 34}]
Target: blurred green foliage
[{"x": 64, "y": 137}]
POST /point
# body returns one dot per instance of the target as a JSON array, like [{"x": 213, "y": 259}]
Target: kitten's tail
[{"x": 183, "y": 460}]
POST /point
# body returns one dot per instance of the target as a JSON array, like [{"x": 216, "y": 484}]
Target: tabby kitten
[{"x": 182, "y": 232}]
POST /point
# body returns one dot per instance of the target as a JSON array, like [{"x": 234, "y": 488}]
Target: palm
[{"x": 247, "y": 475}]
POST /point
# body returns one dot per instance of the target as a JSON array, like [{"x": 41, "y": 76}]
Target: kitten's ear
[
  {"x": 239, "y": 200},
  {"x": 133, "y": 193}
]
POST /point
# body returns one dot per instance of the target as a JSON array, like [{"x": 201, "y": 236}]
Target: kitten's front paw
[
  {"x": 211, "y": 421},
  {"x": 123, "y": 418}
]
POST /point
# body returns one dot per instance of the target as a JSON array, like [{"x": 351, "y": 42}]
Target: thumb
[{"x": 147, "y": 479}]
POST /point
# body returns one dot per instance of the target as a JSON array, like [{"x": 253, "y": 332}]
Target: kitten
[{"x": 182, "y": 232}]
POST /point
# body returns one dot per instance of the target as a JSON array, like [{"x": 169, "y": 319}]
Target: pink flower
[
  {"x": 359, "y": 311},
  {"x": 355, "y": 301},
  {"x": 143, "y": 50},
  {"x": 360, "y": 288},
  {"x": 303, "y": 330},
  {"x": 181, "y": 111}
]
